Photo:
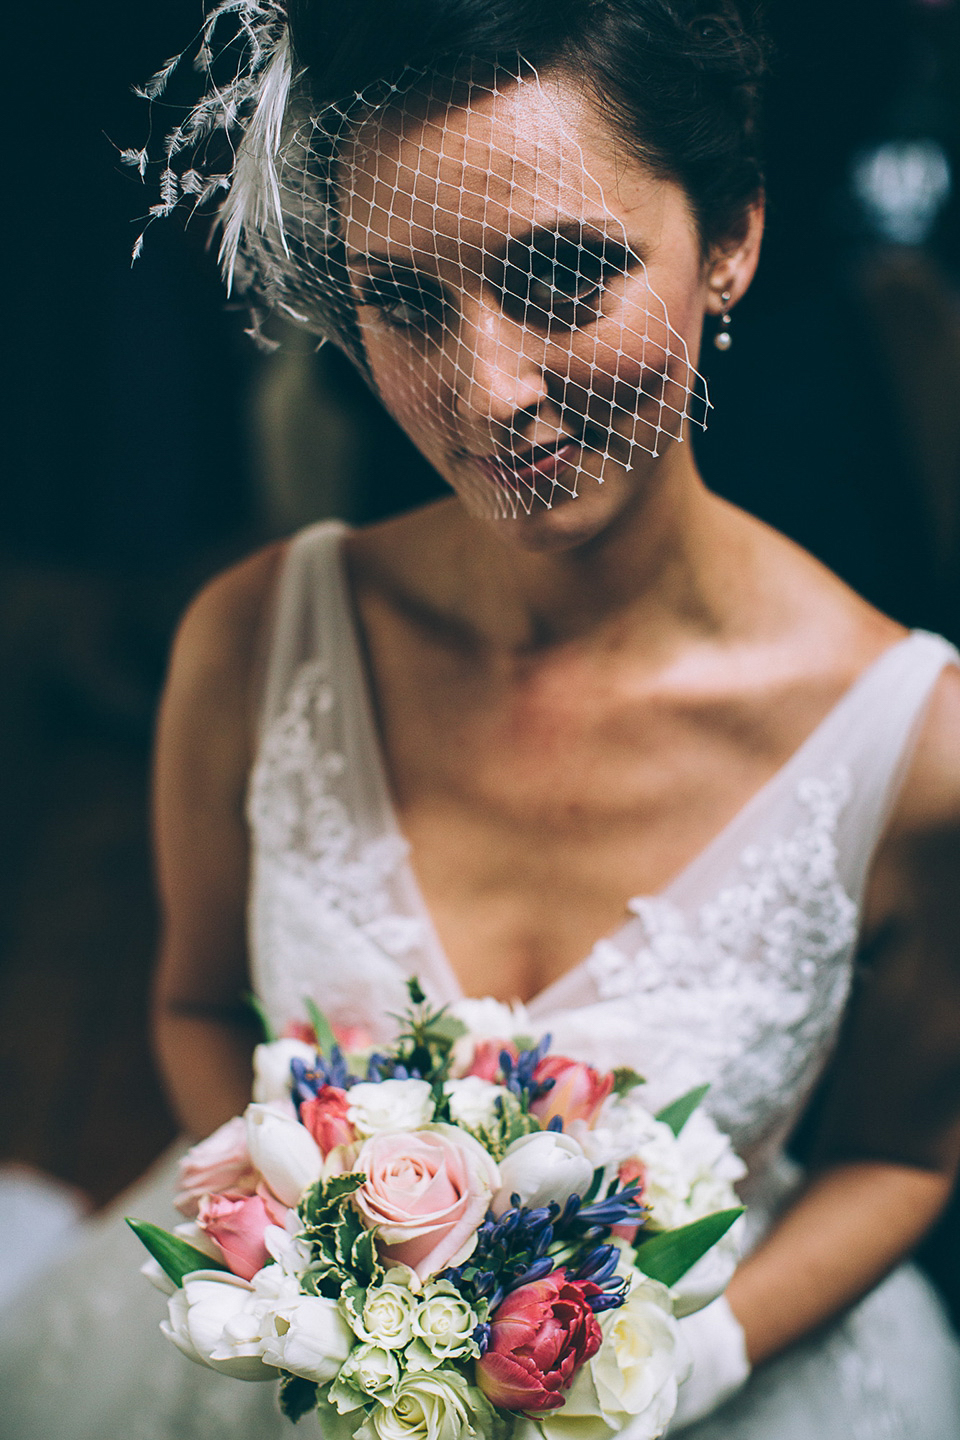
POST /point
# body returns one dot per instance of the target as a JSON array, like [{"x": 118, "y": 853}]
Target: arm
[
  {"x": 887, "y": 1143},
  {"x": 203, "y": 1031}
]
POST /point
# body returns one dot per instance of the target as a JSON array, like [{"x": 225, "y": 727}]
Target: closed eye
[{"x": 404, "y": 299}]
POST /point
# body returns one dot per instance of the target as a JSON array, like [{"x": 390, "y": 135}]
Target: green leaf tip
[
  {"x": 175, "y": 1256},
  {"x": 668, "y": 1256},
  {"x": 677, "y": 1114},
  {"x": 322, "y": 1029}
]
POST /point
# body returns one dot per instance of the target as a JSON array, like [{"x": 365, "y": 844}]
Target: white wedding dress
[{"x": 736, "y": 974}]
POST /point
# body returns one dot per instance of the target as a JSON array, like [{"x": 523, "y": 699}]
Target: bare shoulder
[{"x": 216, "y": 661}]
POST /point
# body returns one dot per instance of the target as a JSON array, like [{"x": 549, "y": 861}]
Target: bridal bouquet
[{"x": 452, "y": 1237}]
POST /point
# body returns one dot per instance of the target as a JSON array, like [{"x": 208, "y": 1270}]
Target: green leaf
[
  {"x": 415, "y": 991},
  {"x": 257, "y": 1006},
  {"x": 625, "y": 1080},
  {"x": 321, "y": 1027},
  {"x": 297, "y": 1396},
  {"x": 445, "y": 1029},
  {"x": 176, "y": 1257},
  {"x": 668, "y": 1256},
  {"x": 677, "y": 1114},
  {"x": 363, "y": 1257}
]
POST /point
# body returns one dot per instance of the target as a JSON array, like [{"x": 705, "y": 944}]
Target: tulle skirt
[{"x": 82, "y": 1358}]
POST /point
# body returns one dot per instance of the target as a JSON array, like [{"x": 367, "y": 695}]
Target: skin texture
[{"x": 571, "y": 705}]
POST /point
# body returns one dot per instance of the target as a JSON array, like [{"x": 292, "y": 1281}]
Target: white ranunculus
[
  {"x": 622, "y": 1128},
  {"x": 284, "y": 1152},
  {"x": 271, "y": 1068},
  {"x": 710, "y": 1155},
  {"x": 308, "y": 1337},
  {"x": 541, "y": 1167},
  {"x": 489, "y": 1019},
  {"x": 390, "y": 1105},
  {"x": 387, "y": 1316},
  {"x": 635, "y": 1371},
  {"x": 473, "y": 1102},
  {"x": 212, "y": 1321}
]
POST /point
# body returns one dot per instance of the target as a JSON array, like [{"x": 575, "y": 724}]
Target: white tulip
[
  {"x": 308, "y": 1336},
  {"x": 390, "y": 1105},
  {"x": 284, "y": 1152},
  {"x": 541, "y": 1167},
  {"x": 271, "y": 1068},
  {"x": 212, "y": 1323}
]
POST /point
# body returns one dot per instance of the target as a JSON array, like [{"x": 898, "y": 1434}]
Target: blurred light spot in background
[{"x": 902, "y": 186}]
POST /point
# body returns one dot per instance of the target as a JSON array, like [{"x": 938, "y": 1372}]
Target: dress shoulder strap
[
  {"x": 873, "y": 733},
  {"x": 306, "y": 610}
]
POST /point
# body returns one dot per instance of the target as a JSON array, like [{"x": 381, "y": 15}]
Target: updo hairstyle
[{"x": 678, "y": 82}]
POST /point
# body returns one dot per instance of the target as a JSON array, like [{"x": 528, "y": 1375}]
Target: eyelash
[{"x": 518, "y": 286}]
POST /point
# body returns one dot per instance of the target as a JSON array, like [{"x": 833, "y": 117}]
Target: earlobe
[{"x": 731, "y": 267}]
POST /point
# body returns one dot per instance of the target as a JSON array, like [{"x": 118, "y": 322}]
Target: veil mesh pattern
[{"x": 444, "y": 230}]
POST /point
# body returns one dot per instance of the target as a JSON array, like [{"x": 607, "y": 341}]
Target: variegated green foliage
[{"x": 342, "y": 1251}]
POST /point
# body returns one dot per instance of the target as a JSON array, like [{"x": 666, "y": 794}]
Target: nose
[{"x": 496, "y": 378}]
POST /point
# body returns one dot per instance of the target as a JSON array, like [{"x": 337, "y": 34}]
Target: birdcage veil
[{"x": 443, "y": 229}]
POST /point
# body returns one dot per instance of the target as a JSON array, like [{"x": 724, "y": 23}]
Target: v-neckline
[{"x": 445, "y": 974}]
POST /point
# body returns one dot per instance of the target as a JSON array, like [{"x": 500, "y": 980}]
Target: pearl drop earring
[{"x": 723, "y": 339}]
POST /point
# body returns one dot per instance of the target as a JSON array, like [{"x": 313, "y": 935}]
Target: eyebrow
[{"x": 591, "y": 230}]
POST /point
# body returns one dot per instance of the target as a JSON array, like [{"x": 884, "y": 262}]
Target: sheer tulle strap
[
  {"x": 302, "y": 619},
  {"x": 876, "y": 735}
]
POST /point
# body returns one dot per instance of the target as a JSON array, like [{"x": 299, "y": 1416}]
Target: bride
[{"x": 581, "y": 738}]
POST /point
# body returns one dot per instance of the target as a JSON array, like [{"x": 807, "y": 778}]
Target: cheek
[
  {"x": 409, "y": 377},
  {"x": 635, "y": 362}
]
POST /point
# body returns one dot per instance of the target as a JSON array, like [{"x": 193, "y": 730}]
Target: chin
[{"x": 571, "y": 521}]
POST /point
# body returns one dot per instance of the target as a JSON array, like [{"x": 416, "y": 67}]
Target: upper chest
[{"x": 538, "y": 798}]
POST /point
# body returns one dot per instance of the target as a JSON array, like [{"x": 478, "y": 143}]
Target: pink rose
[
  {"x": 238, "y": 1223},
  {"x": 427, "y": 1191},
  {"x": 540, "y": 1336},
  {"x": 485, "y": 1062},
  {"x": 577, "y": 1092},
  {"x": 326, "y": 1118},
  {"x": 218, "y": 1164}
]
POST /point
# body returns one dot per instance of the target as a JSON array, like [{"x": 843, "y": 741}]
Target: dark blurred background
[{"x": 148, "y": 443}]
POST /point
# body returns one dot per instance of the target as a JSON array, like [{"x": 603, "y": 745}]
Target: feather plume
[{"x": 253, "y": 201}]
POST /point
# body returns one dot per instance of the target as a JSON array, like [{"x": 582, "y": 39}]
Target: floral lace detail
[
  {"x": 756, "y": 976},
  {"x": 303, "y": 824}
]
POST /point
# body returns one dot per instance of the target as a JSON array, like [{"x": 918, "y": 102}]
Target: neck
[{"x": 655, "y": 565}]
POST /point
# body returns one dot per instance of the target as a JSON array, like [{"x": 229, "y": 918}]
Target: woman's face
[{"x": 513, "y": 270}]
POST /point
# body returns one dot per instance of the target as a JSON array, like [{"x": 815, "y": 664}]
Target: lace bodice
[{"x": 735, "y": 974}]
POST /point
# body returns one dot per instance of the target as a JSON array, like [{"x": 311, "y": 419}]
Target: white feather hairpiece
[{"x": 253, "y": 101}]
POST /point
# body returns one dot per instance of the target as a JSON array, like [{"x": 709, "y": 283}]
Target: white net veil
[{"x": 445, "y": 232}]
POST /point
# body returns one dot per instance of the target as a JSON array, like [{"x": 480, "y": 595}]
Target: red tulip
[
  {"x": 577, "y": 1091},
  {"x": 540, "y": 1336}
]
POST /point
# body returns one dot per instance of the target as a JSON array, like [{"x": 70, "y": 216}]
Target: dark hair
[{"x": 677, "y": 79}]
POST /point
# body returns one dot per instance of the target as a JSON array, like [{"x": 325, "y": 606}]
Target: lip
[{"x": 549, "y": 461}]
